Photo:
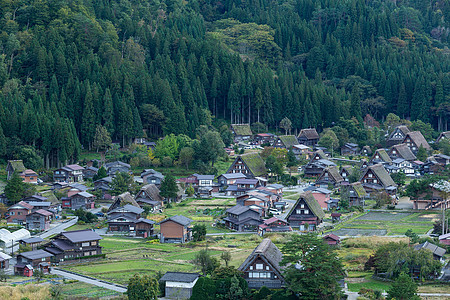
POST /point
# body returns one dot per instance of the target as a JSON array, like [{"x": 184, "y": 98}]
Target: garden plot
[
  {"x": 359, "y": 232},
  {"x": 383, "y": 216}
]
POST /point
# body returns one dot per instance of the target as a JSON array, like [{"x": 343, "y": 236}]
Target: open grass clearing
[
  {"x": 77, "y": 290},
  {"x": 367, "y": 282}
]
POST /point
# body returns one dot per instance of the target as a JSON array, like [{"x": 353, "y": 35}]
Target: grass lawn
[
  {"x": 128, "y": 256},
  {"x": 355, "y": 284},
  {"x": 80, "y": 290},
  {"x": 394, "y": 223}
]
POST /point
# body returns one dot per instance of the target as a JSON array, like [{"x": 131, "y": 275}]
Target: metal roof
[
  {"x": 81, "y": 235},
  {"x": 36, "y": 254},
  {"x": 179, "y": 277},
  {"x": 182, "y": 220}
]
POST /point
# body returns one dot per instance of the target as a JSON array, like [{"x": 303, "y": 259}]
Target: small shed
[
  {"x": 335, "y": 217},
  {"x": 4, "y": 261},
  {"x": 179, "y": 285},
  {"x": 332, "y": 239}
]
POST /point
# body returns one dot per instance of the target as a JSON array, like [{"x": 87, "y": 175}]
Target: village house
[
  {"x": 27, "y": 262},
  {"x": 256, "y": 201},
  {"x": 14, "y": 166},
  {"x": 442, "y": 136},
  {"x": 273, "y": 224},
  {"x": 262, "y": 267},
  {"x": 380, "y": 156},
  {"x": 76, "y": 201},
  {"x": 150, "y": 176},
  {"x": 46, "y": 205},
  {"x": 414, "y": 140},
  {"x": 90, "y": 172},
  {"x": 332, "y": 240},
  {"x": 242, "y": 218},
  {"x": 438, "y": 252},
  {"x": 68, "y": 173},
  {"x": 123, "y": 219},
  {"x": 229, "y": 151},
  {"x": 179, "y": 285},
  {"x": 318, "y": 162},
  {"x": 401, "y": 151},
  {"x": 285, "y": 142},
  {"x": 18, "y": 212},
  {"x": 376, "y": 179},
  {"x": 117, "y": 167},
  {"x": 175, "y": 229},
  {"x": 4, "y": 261},
  {"x": 122, "y": 200},
  {"x": 59, "y": 185},
  {"x": 404, "y": 166},
  {"x": 241, "y": 132},
  {"x": 350, "y": 149},
  {"x": 329, "y": 176},
  {"x": 144, "y": 227},
  {"x": 35, "y": 198},
  {"x": 366, "y": 151},
  {"x": 29, "y": 176},
  {"x": 442, "y": 159},
  {"x": 397, "y": 135},
  {"x": 227, "y": 179},
  {"x": 301, "y": 151},
  {"x": 250, "y": 164},
  {"x": 346, "y": 172},
  {"x": 32, "y": 242},
  {"x": 39, "y": 220},
  {"x": 444, "y": 239},
  {"x": 356, "y": 194},
  {"x": 241, "y": 186},
  {"x": 264, "y": 138},
  {"x": 306, "y": 213},
  {"x": 104, "y": 185},
  {"x": 149, "y": 196},
  {"x": 308, "y": 137},
  {"x": 74, "y": 244}
]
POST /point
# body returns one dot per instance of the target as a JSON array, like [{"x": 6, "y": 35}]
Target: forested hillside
[{"x": 167, "y": 66}]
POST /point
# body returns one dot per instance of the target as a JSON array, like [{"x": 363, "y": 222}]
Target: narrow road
[
  {"x": 90, "y": 280},
  {"x": 231, "y": 233},
  {"x": 58, "y": 228}
]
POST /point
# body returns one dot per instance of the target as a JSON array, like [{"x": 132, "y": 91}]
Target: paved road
[
  {"x": 231, "y": 233},
  {"x": 89, "y": 280},
  {"x": 58, "y": 228}
]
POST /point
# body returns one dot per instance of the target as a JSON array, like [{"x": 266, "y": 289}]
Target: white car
[{"x": 274, "y": 211}]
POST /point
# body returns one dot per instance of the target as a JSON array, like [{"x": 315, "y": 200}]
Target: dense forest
[{"x": 170, "y": 66}]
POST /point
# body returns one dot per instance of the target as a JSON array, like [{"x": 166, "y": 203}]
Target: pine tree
[{"x": 88, "y": 121}]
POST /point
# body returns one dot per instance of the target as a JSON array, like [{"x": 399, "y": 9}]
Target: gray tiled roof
[
  {"x": 36, "y": 254},
  {"x": 182, "y": 220},
  {"x": 179, "y": 277},
  {"x": 81, "y": 236},
  {"x": 238, "y": 209},
  {"x": 431, "y": 247}
]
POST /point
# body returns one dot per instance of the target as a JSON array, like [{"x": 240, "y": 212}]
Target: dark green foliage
[
  {"x": 100, "y": 174},
  {"x": 169, "y": 188},
  {"x": 313, "y": 268},
  {"x": 85, "y": 216},
  {"x": 16, "y": 189},
  {"x": 204, "y": 289},
  {"x": 399, "y": 178},
  {"x": 121, "y": 183},
  {"x": 403, "y": 288},
  {"x": 142, "y": 288},
  {"x": 422, "y": 153},
  {"x": 199, "y": 232},
  {"x": 205, "y": 262}
]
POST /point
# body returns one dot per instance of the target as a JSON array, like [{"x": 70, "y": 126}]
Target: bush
[{"x": 167, "y": 162}]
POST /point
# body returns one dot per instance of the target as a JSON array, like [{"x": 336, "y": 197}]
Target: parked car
[{"x": 274, "y": 211}]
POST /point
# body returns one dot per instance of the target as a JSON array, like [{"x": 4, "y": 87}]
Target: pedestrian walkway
[{"x": 89, "y": 280}]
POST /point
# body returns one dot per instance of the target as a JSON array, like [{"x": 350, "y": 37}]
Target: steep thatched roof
[
  {"x": 382, "y": 174},
  {"x": 418, "y": 139},
  {"x": 309, "y": 133},
  {"x": 359, "y": 189},
  {"x": 152, "y": 191},
  {"x": 403, "y": 151},
  {"x": 333, "y": 172},
  {"x": 16, "y": 165},
  {"x": 268, "y": 252},
  {"x": 288, "y": 140},
  {"x": 312, "y": 203},
  {"x": 122, "y": 200},
  {"x": 241, "y": 129},
  {"x": 255, "y": 163},
  {"x": 383, "y": 155}
]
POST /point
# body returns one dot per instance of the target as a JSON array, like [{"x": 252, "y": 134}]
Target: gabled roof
[
  {"x": 312, "y": 203},
  {"x": 122, "y": 200},
  {"x": 36, "y": 197},
  {"x": 152, "y": 191},
  {"x": 382, "y": 174},
  {"x": 74, "y": 167},
  {"x": 21, "y": 204},
  {"x": 40, "y": 204},
  {"x": 288, "y": 140},
  {"x": 383, "y": 155},
  {"x": 182, "y": 220},
  {"x": 142, "y": 220},
  {"x": 320, "y": 153},
  {"x": 114, "y": 163},
  {"x": 402, "y": 128},
  {"x": 309, "y": 133},
  {"x": 4, "y": 256},
  {"x": 241, "y": 129},
  {"x": 42, "y": 212},
  {"x": 268, "y": 252},
  {"x": 204, "y": 177},
  {"x": 238, "y": 209},
  {"x": 403, "y": 151},
  {"x": 418, "y": 139},
  {"x": 322, "y": 191},
  {"x": 33, "y": 240},
  {"x": 333, "y": 172},
  {"x": 246, "y": 181},
  {"x": 129, "y": 208},
  {"x": 150, "y": 171},
  {"x": 367, "y": 148},
  {"x": 359, "y": 189},
  {"x": 332, "y": 236},
  {"x": 17, "y": 165},
  {"x": 445, "y": 135},
  {"x": 347, "y": 168},
  {"x": 81, "y": 235},
  {"x": 84, "y": 194},
  {"x": 78, "y": 186},
  {"x": 36, "y": 254},
  {"x": 229, "y": 176},
  {"x": 179, "y": 277},
  {"x": 273, "y": 220},
  {"x": 105, "y": 179},
  {"x": 29, "y": 172},
  {"x": 255, "y": 163},
  {"x": 436, "y": 250}
]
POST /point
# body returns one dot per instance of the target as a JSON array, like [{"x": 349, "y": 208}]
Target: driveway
[
  {"x": 90, "y": 280},
  {"x": 58, "y": 228}
]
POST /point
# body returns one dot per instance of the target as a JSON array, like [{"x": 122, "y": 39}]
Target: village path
[
  {"x": 58, "y": 228},
  {"x": 90, "y": 280}
]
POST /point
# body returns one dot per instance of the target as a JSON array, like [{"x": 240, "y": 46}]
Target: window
[
  {"x": 302, "y": 205},
  {"x": 43, "y": 259},
  {"x": 85, "y": 244},
  {"x": 267, "y": 268},
  {"x": 370, "y": 175},
  {"x": 306, "y": 212},
  {"x": 251, "y": 267},
  {"x": 375, "y": 181},
  {"x": 11, "y": 213},
  {"x": 298, "y": 211},
  {"x": 259, "y": 266},
  {"x": 19, "y": 213}
]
